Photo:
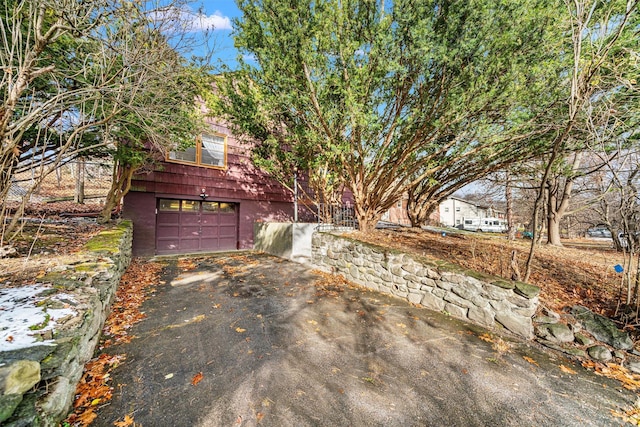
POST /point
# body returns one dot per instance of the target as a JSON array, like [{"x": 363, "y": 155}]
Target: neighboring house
[
  {"x": 397, "y": 214},
  {"x": 205, "y": 198},
  {"x": 453, "y": 210}
]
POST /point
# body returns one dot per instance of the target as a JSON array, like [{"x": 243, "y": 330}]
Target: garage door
[{"x": 193, "y": 226}]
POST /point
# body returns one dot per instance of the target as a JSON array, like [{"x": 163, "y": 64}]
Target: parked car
[
  {"x": 622, "y": 239},
  {"x": 599, "y": 231}
]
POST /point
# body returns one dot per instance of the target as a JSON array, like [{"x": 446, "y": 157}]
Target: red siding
[
  {"x": 258, "y": 196},
  {"x": 141, "y": 209}
]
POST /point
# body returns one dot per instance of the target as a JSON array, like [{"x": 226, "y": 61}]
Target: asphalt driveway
[{"x": 279, "y": 345}]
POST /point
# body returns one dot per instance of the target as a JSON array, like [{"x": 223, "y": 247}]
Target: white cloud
[
  {"x": 184, "y": 19},
  {"x": 249, "y": 57},
  {"x": 217, "y": 21}
]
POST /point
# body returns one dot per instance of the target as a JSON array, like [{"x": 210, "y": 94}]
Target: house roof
[
  {"x": 474, "y": 204},
  {"x": 466, "y": 201}
]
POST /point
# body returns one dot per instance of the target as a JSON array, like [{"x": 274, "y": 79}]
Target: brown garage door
[{"x": 193, "y": 226}]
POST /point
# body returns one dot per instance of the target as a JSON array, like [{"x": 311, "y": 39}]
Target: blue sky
[{"x": 216, "y": 15}]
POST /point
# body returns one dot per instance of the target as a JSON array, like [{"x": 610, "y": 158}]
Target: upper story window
[{"x": 210, "y": 150}]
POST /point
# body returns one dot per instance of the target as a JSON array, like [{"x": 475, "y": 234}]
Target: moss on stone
[
  {"x": 26, "y": 413},
  {"x": 377, "y": 248},
  {"x": 91, "y": 267},
  {"x": 63, "y": 283},
  {"x": 576, "y": 352},
  {"x": 446, "y": 266},
  {"x": 8, "y": 404},
  {"x": 527, "y": 290},
  {"x": 104, "y": 258},
  {"x": 504, "y": 284},
  {"x": 108, "y": 240},
  {"x": 479, "y": 275},
  {"x": 46, "y": 293},
  {"x": 64, "y": 348}
]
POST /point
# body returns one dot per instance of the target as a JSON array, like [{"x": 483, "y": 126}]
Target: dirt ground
[
  {"x": 582, "y": 272},
  {"x": 42, "y": 245}
]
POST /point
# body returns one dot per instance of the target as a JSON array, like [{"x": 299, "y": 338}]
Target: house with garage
[{"x": 205, "y": 198}]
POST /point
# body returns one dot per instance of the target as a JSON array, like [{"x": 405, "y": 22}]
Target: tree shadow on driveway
[{"x": 280, "y": 345}]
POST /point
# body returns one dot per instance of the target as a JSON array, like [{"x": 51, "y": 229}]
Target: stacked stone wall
[
  {"x": 38, "y": 382},
  {"x": 485, "y": 300}
]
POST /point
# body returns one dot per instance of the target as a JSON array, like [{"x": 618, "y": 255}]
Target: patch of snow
[{"x": 23, "y": 319}]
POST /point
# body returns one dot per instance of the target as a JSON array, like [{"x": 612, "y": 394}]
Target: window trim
[{"x": 198, "y": 161}]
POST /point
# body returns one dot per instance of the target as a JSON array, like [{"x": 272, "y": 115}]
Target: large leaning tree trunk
[
  {"x": 120, "y": 186},
  {"x": 473, "y": 158},
  {"x": 419, "y": 213}
]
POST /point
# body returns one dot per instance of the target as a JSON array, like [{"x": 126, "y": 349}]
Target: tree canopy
[
  {"x": 383, "y": 97},
  {"x": 81, "y": 77}
]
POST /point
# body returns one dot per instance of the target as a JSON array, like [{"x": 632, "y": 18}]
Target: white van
[{"x": 491, "y": 225}]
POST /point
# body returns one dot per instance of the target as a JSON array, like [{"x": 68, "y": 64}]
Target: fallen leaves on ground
[
  {"x": 126, "y": 422},
  {"x": 631, "y": 416},
  {"x": 486, "y": 337},
  {"x": 234, "y": 270},
  {"x": 186, "y": 264},
  {"x": 566, "y": 275},
  {"x": 567, "y": 370},
  {"x": 501, "y": 346},
  {"x": 41, "y": 246},
  {"x": 243, "y": 259},
  {"x": 497, "y": 343},
  {"x": 629, "y": 380},
  {"x": 135, "y": 286},
  {"x": 242, "y": 264},
  {"x": 530, "y": 360},
  {"x": 197, "y": 378},
  {"x": 330, "y": 285},
  {"x": 93, "y": 389}
]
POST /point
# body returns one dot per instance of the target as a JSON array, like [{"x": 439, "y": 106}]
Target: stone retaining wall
[
  {"x": 37, "y": 383},
  {"x": 482, "y": 299}
]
